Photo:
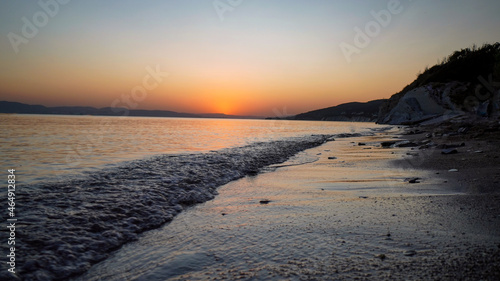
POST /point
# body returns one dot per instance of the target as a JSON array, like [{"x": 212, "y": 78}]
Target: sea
[{"x": 87, "y": 185}]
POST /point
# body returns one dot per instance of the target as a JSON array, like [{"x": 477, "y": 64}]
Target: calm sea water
[
  {"x": 42, "y": 147},
  {"x": 87, "y": 185}
]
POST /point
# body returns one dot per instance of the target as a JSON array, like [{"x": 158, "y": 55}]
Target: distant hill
[
  {"x": 463, "y": 83},
  {"x": 21, "y": 108},
  {"x": 353, "y": 111}
]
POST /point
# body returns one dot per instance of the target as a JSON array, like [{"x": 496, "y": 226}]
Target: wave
[{"x": 65, "y": 227}]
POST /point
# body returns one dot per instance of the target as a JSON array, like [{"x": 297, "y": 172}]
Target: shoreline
[
  {"x": 473, "y": 151},
  {"x": 108, "y": 210},
  {"x": 355, "y": 216}
]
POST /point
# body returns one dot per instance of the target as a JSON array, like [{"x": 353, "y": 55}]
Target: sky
[{"x": 245, "y": 57}]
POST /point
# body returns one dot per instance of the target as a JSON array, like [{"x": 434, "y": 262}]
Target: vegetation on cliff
[{"x": 477, "y": 68}]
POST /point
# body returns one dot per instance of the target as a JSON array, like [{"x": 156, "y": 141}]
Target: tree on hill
[{"x": 468, "y": 66}]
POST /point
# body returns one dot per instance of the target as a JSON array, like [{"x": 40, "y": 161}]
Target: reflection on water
[
  {"x": 43, "y": 146},
  {"x": 319, "y": 225}
]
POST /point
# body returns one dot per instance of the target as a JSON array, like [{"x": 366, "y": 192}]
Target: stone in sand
[
  {"x": 452, "y": 145},
  {"x": 407, "y": 144},
  {"x": 264, "y": 201},
  {"x": 387, "y": 143},
  {"x": 449, "y": 151},
  {"x": 410, "y": 253},
  {"x": 414, "y": 180}
]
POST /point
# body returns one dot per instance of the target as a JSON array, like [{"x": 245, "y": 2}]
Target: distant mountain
[
  {"x": 466, "y": 82},
  {"x": 21, "y": 108},
  {"x": 353, "y": 111}
]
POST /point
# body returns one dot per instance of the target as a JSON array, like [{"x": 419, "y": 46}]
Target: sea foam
[{"x": 65, "y": 227}]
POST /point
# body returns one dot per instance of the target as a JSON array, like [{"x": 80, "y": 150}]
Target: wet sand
[{"x": 355, "y": 216}]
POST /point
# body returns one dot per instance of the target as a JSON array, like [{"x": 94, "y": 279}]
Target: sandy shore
[
  {"x": 477, "y": 156},
  {"x": 352, "y": 216}
]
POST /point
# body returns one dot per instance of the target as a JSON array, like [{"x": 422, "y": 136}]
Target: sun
[{"x": 224, "y": 107}]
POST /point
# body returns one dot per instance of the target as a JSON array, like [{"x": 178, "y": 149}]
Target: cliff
[{"x": 466, "y": 82}]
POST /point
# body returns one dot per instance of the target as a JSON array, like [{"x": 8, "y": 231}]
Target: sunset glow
[{"x": 255, "y": 58}]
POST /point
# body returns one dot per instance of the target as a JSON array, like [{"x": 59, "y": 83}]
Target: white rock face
[{"x": 423, "y": 103}]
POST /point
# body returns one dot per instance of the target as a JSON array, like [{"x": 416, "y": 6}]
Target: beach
[
  {"x": 82, "y": 198},
  {"x": 352, "y": 214},
  {"x": 250, "y": 140}
]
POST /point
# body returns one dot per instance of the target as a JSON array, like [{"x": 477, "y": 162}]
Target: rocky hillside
[
  {"x": 353, "y": 111},
  {"x": 466, "y": 82}
]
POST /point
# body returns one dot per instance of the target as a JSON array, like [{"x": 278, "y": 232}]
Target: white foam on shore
[
  {"x": 80, "y": 222},
  {"x": 328, "y": 218}
]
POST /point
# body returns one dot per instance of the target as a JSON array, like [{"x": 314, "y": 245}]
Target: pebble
[
  {"x": 452, "y": 170},
  {"x": 449, "y": 151},
  {"x": 332, "y": 157},
  {"x": 414, "y": 180},
  {"x": 387, "y": 143},
  {"x": 410, "y": 253},
  {"x": 407, "y": 144}
]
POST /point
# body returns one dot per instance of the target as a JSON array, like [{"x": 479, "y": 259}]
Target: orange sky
[{"x": 258, "y": 57}]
